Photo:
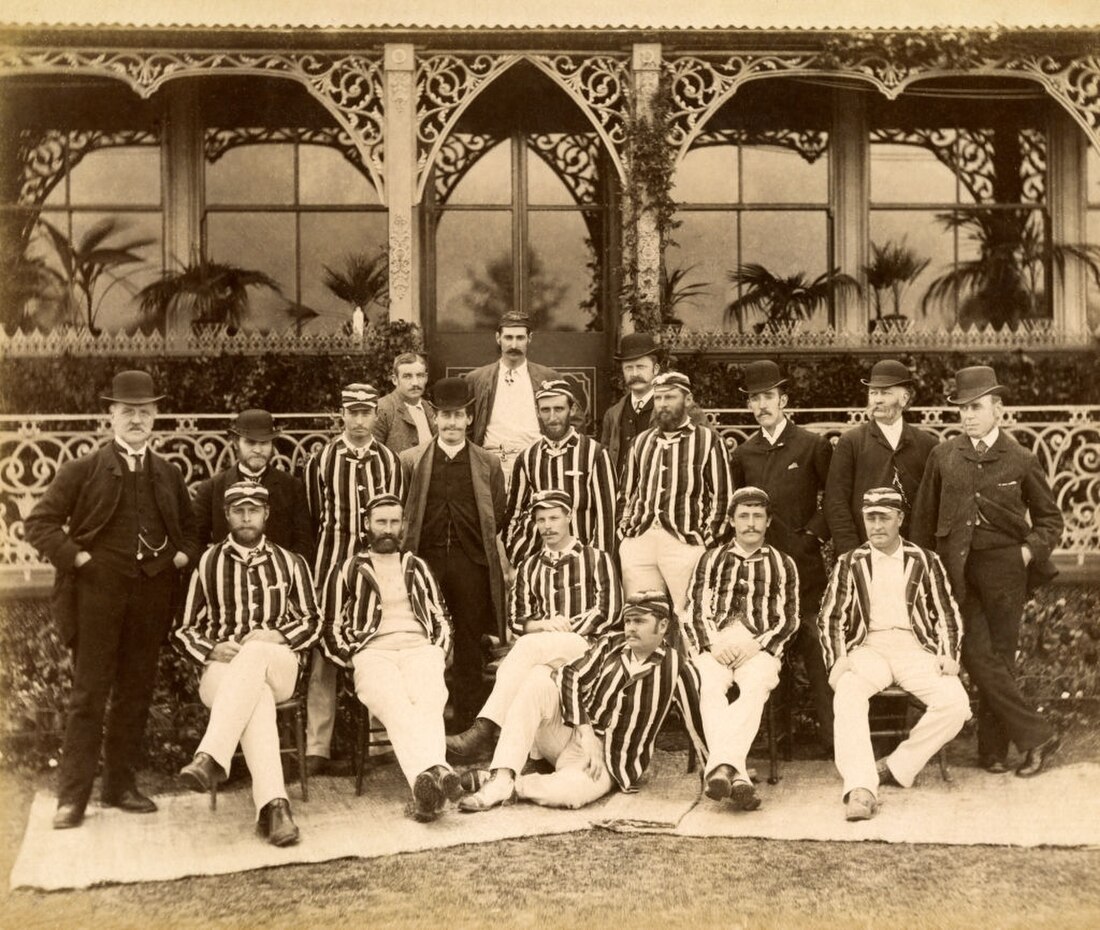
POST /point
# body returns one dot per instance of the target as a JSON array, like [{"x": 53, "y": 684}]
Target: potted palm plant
[
  {"x": 675, "y": 291},
  {"x": 892, "y": 269},
  {"x": 364, "y": 280},
  {"x": 786, "y": 302}
]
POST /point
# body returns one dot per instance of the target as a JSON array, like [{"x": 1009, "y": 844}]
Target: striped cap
[
  {"x": 673, "y": 379},
  {"x": 559, "y": 387},
  {"x": 550, "y": 498},
  {"x": 880, "y": 499},
  {"x": 749, "y": 495},
  {"x": 381, "y": 500},
  {"x": 241, "y": 492},
  {"x": 655, "y": 603},
  {"x": 358, "y": 395}
]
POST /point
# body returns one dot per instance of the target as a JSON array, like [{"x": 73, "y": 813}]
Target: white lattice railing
[{"x": 1066, "y": 440}]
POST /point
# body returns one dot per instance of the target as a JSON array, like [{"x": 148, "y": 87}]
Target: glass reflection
[{"x": 474, "y": 279}]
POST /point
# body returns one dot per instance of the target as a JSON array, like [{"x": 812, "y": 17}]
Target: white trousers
[
  {"x": 885, "y": 658},
  {"x": 534, "y": 721},
  {"x": 242, "y": 695},
  {"x": 547, "y": 648},
  {"x": 320, "y": 705},
  {"x": 730, "y": 728},
  {"x": 404, "y": 688},
  {"x": 657, "y": 560}
]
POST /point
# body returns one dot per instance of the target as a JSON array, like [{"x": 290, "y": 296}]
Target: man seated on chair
[
  {"x": 386, "y": 619},
  {"x": 564, "y": 598},
  {"x": 250, "y": 614},
  {"x": 889, "y": 617},
  {"x": 742, "y": 609},
  {"x": 595, "y": 719}
]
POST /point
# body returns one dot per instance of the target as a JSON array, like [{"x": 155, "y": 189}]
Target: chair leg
[
  {"x": 214, "y": 796},
  {"x": 945, "y": 773},
  {"x": 362, "y": 747},
  {"x": 773, "y": 744},
  {"x": 691, "y": 758},
  {"x": 300, "y": 743}
]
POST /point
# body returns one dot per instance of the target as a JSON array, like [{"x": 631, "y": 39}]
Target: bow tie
[{"x": 666, "y": 439}]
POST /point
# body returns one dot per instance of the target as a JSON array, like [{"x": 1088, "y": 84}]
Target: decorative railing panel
[{"x": 32, "y": 448}]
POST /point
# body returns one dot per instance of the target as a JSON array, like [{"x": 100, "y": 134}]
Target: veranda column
[
  {"x": 849, "y": 168},
  {"x": 183, "y": 183},
  {"x": 646, "y": 72},
  {"x": 1066, "y": 189},
  {"x": 400, "y": 156}
]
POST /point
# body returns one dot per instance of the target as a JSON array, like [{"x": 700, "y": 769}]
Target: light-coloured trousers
[
  {"x": 320, "y": 705},
  {"x": 242, "y": 695},
  {"x": 730, "y": 728},
  {"x": 884, "y": 658},
  {"x": 404, "y": 688},
  {"x": 534, "y": 721},
  {"x": 657, "y": 560},
  {"x": 547, "y": 648}
]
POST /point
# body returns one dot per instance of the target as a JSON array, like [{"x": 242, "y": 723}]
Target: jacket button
[{"x": 969, "y": 522}]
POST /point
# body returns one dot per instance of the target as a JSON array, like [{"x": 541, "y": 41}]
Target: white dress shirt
[
  {"x": 513, "y": 421},
  {"x": 887, "y": 594},
  {"x": 398, "y": 628},
  {"x": 989, "y": 438},
  {"x": 773, "y": 438},
  {"x": 892, "y": 432},
  {"x": 420, "y": 420}
]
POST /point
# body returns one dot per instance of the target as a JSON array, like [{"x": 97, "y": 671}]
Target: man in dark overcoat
[{"x": 117, "y": 526}]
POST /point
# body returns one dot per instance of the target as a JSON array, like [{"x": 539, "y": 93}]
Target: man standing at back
[{"x": 405, "y": 418}]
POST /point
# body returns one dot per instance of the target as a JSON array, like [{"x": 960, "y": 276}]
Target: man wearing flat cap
[
  {"x": 117, "y": 526},
  {"x": 741, "y": 610},
  {"x": 563, "y": 598},
  {"x": 597, "y": 718},
  {"x": 562, "y": 460},
  {"x": 631, "y": 414},
  {"x": 675, "y": 495},
  {"x": 886, "y": 451},
  {"x": 341, "y": 479},
  {"x": 453, "y": 514},
  {"x": 987, "y": 507},
  {"x": 250, "y": 615},
  {"x": 288, "y": 523},
  {"x": 791, "y": 464},
  {"x": 888, "y": 618}
]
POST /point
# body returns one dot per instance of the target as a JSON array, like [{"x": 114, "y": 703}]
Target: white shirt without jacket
[{"x": 513, "y": 421}]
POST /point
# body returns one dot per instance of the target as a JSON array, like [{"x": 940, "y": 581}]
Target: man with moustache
[
  {"x": 563, "y": 598},
  {"x": 341, "y": 479},
  {"x": 117, "y": 526},
  {"x": 454, "y": 512},
  {"x": 630, "y": 415},
  {"x": 405, "y": 418},
  {"x": 385, "y": 618},
  {"x": 791, "y": 464},
  {"x": 675, "y": 496},
  {"x": 987, "y": 507},
  {"x": 562, "y": 460},
  {"x": 742, "y": 609},
  {"x": 885, "y": 452},
  {"x": 288, "y": 523},
  {"x": 250, "y": 614}
]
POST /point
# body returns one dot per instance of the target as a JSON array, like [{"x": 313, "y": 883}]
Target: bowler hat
[
  {"x": 889, "y": 373},
  {"x": 257, "y": 425},
  {"x": 762, "y": 376},
  {"x": 132, "y": 387},
  {"x": 452, "y": 394},
  {"x": 974, "y": 382},
  {"x": 636, "y": 345},
  {"x": 514, "y": 318}
]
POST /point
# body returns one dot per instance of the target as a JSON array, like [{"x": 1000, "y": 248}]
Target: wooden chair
[
  {"x": 894, "y": 724},
  {"x": 365, "y": 732}
]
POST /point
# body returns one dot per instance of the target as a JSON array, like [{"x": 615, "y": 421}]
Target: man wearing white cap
[
  {"x": 742, "y": 609},
  {"x": 888, "y": 617},
  {"x": 250, "y": 615},
  {"x": 675, "y": 495},
  {"x": 341, "y": 479},
  {"x": 561, "y": 460},
  {"x": 564, "y": 597}
]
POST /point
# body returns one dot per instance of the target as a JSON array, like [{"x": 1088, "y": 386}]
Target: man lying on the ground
[{"x": 596, "y": 719}]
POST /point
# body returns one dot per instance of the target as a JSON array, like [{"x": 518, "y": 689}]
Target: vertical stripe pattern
[{"x": 583, "y": 585}]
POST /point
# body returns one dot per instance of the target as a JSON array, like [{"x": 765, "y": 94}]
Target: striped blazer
[
  {"x": 338, "y": 484},
  {"x": 582, "y": 585},
  {"x": 846, "y": 611},
  {"x": 681, "y": 482},
  {"x": 231, "y": 596},
  {"x": 760, "y": 591},
  {"x": 353, "y": 605},
  {"x": 579, "y": 466},
  {"x": 626, "y": 710}
]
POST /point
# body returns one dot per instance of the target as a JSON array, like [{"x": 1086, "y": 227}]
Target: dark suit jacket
[
  {"x": 611, "y": 428},
  {"x": 488, "y": 478},
  {"x": 1007, "y": 483},
  {"x": 864, "y": 459},
  {"x": 394, "y": 426},
  {"x": 792, "y": 471},
  {"x": 288, "y": 524},
  {"x": 484, "y": 380}
]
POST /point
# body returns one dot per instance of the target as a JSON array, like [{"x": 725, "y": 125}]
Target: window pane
[
  {"x": 1093, "y": 290},
  {"x": 707, "y": 175},
  {"x": 258, "y": 242},
  {"x": 328, "y": 239},
  {"x": 473, "y": 269},
  {"x": 925, "y": 239},
  {"x": 1094, "y": 181},
  {"x": 562, "y": 168},
  {"x": 780, "y": 175},
  {"x": 326, "y": 176},
  {"x": 787, "y": 244},
  {"x": 561, "y": 280},
  {"x": 706, "y": 246},
  {"x": 252, "y": 174},
  {"x": 127, "y": 175},
  {"x": 909, "y": 174},
  {"x": 113, "y": 297},
  {"x": 488, "y": 180}
]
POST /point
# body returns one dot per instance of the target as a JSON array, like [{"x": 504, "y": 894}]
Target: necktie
[
  {"x": 135, "y": 461},
  {"x": 981, "y": 447},
  {"x": 509, "y": 377}
]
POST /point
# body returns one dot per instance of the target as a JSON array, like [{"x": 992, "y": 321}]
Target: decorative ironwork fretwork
[
  {"x": 574, "y": 158},
  {"x": 1033, "y": 165},
  {"x": 45, "y": 164},
  {"x": 459, "y": 152},
  {"x": 217, "y": 142},
  {"x": 349, "y": 86},
  {"x": 811, "y": 144}
]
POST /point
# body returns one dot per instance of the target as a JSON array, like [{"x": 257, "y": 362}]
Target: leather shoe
[
  {"x": 1036, "y": 759},
  {"x": 994, "y": 766},
  {"x": 202, "y": 773},
  {"x": 743, "y": 794},
  {"x": 449, "y": 782},
  {"x": 472, "y": 780},
  {"x": 276, "y": 824},
  {"x": 476, "y": 742},
  {"x": 861, "y": 805},
  {"x": 720, "y": 782},
  {"x": 428, "y": 799},
  {"x": 130, "y": 800},
  {"x": 316, "y": 765},
  {"x": 68, "y": 816},
  {"x": 499, "y": 789},
  {"x": 885, "y": 776}
]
